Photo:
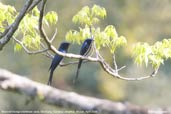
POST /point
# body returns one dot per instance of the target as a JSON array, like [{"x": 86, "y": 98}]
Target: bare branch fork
[{"x": 5, "y": 37}]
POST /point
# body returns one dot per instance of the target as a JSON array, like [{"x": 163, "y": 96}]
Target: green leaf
[
  {"x": 156, "y": 61},
  {"x": 7, "y": 14},
  {"x": 73, "y": 36},
  {"x": 121, "y": 41},
  {"x": 85, "y": 33},
  {"x": 35, "y": 11},
  {"x": 87, "y": 16},
  {"x": 95, "y": 20},
  {"x": 142, "y": 53},
  {"x": 111, "y": 31},
  {"x": 17, "y": 47},
  {"x": 68, "y": 36},
  {"x": 139, "y": 60},
  {"x": 98, "y": 11},
  {"x": 101, "y": 38},
  {"x": 36, "y": 41},
  {"x": 52, "y": 17},
  {"x": 82, "y": 17}
]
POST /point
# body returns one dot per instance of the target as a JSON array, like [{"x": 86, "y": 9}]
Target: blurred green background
[{"x": 137, "y": 20}]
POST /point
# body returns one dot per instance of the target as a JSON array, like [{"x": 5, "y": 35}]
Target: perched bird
[
  {"x": 57, "y": 59},
  {"x": 85, "y": 48}
]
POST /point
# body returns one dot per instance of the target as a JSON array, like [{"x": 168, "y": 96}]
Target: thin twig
[
  {"x": 35, "y": 3},
  {"x": 121, "y": 68},
  {"x": 74, "y": 62},
  {"x": 42, "y": 32},
  {"x": 96, "y": 51},
  {"x": 54, "y": 35},
  {"x": 28, "y": 51},
  {"x": 48, "y": 54},
  {"x": 114, "y": 63}
]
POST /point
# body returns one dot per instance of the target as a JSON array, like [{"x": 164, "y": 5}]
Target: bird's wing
[
  {"x": 55, "y": 62},
  {"x": 85, "y": 48}
]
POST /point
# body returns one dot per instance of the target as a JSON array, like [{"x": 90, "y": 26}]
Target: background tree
[{"x": 144, "y": 53}]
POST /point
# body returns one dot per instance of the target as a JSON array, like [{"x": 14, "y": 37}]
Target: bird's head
[
  {"x": 64, "y": 45},
  {"x": 89, "y": 40}
]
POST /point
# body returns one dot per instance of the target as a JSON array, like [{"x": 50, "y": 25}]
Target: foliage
[
  {"x": 88, "y": 17},
  {"x": 143, "y": 53},
  {"x": 28, "y": 29},
  {"x": 7, "y": 14},
  {"x": 154, "y": 54}
]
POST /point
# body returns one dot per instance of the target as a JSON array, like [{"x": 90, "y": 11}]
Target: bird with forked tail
[
  {"x": 57, "y": 59},
  {"x": 85, "y": 49}
]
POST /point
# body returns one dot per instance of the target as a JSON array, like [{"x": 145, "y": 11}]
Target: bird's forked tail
[
  {"x": 50, "y": 78},
  {"x": 78, "y": 69}
]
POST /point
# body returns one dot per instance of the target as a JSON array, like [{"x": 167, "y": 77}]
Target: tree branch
[
  {"x": 70, "y": 63},
  {"x": 42, "y": 32},
  {"x": 35, "y": 2},
  {"x": 54, "y": 35},
  {"x": 60, "y": 98},
  {"x": 8, "y": 33},
  {"x": 99, "y": 58}
]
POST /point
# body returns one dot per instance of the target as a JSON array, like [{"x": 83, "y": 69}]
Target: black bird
[
  {"x": 86, "y": 47},
  {"x": 57, "y": 59}
]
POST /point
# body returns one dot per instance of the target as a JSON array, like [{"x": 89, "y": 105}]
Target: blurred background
[{"x": 137, "y": 20}]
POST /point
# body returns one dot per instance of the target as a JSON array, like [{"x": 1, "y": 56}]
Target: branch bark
[{"x": 60, "y": 98}]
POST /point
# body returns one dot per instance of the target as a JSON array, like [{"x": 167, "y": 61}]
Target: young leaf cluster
[
  {"x": 105, "y": 38},
  {"x": 28, "y": 30},
  {"x": 75, "y": 36},
  {"x": 7, "y": 15},
  {"x": 89, "y": 16},
  {"x": 154, "y": 54}
]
